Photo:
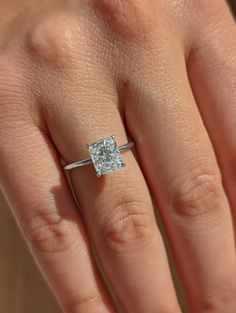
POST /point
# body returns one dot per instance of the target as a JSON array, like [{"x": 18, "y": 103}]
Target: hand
[{"x": 161, "y": 72}]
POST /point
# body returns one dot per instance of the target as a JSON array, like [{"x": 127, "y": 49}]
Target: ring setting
[{"x": 105, "y": 155}]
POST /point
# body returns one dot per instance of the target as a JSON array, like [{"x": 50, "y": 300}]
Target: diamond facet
[{"x": 105, "y": 155}]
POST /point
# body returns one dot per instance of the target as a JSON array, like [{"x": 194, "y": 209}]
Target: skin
[{"x": 162, "y": 72}]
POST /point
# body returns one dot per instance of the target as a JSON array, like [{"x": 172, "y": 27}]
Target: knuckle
[
  {"x": 52, "y": 40},
  {"x": 129, "y": 18},
  {"x": 48, "y": 231},
  {"x": 128, "y": 226},
  {"x": 206, "y": 10},
  {"x": 198, "y": 195},
  {"x": 221, "y": 301}
]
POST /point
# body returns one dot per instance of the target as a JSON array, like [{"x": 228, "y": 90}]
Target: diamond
[{"x": 105, "y": 155}]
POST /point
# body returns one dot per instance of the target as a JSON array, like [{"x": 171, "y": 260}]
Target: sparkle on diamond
[{"x": 105, "y": 155}]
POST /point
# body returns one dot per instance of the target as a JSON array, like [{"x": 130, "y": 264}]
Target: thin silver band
[{"x": 87, "y": 161}]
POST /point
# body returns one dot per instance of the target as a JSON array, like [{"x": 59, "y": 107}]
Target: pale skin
[{"x": 161, "y": 72}]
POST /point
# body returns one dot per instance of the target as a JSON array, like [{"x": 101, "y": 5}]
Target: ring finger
[{"x": 117, "y": 208}]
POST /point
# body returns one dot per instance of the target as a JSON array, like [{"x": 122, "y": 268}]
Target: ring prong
[{"x": 99, "y": 174}]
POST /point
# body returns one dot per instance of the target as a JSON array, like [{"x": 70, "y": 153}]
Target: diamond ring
[{"x": 104, "y": 155}]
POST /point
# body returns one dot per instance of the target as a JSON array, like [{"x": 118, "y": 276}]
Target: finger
[
  {"x": 117, "y": 209},
  {"x": 182, "y": 172},
  {"x": 212, "y": 71},
  {"x": 38, "y": 193}
]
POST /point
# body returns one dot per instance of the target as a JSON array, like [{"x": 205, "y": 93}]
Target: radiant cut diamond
[{"x": 105, "y": 155}]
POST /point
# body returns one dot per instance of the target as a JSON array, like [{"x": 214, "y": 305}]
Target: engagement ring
[{"x": 104, "y": 154}]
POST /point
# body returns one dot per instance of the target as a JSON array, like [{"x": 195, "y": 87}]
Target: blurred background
[
  {"x": 233, "y": 4},
  {"x": 22, "y": 287}
]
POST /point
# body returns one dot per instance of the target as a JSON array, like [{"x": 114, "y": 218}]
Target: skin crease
[{"x": 162, "y": 72}]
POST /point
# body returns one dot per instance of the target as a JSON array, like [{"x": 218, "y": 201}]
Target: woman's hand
[{"x": 160, "y": 71}]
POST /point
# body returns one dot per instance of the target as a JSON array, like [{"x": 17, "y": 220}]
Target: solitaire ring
[{"x": 104, "y": 155}]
